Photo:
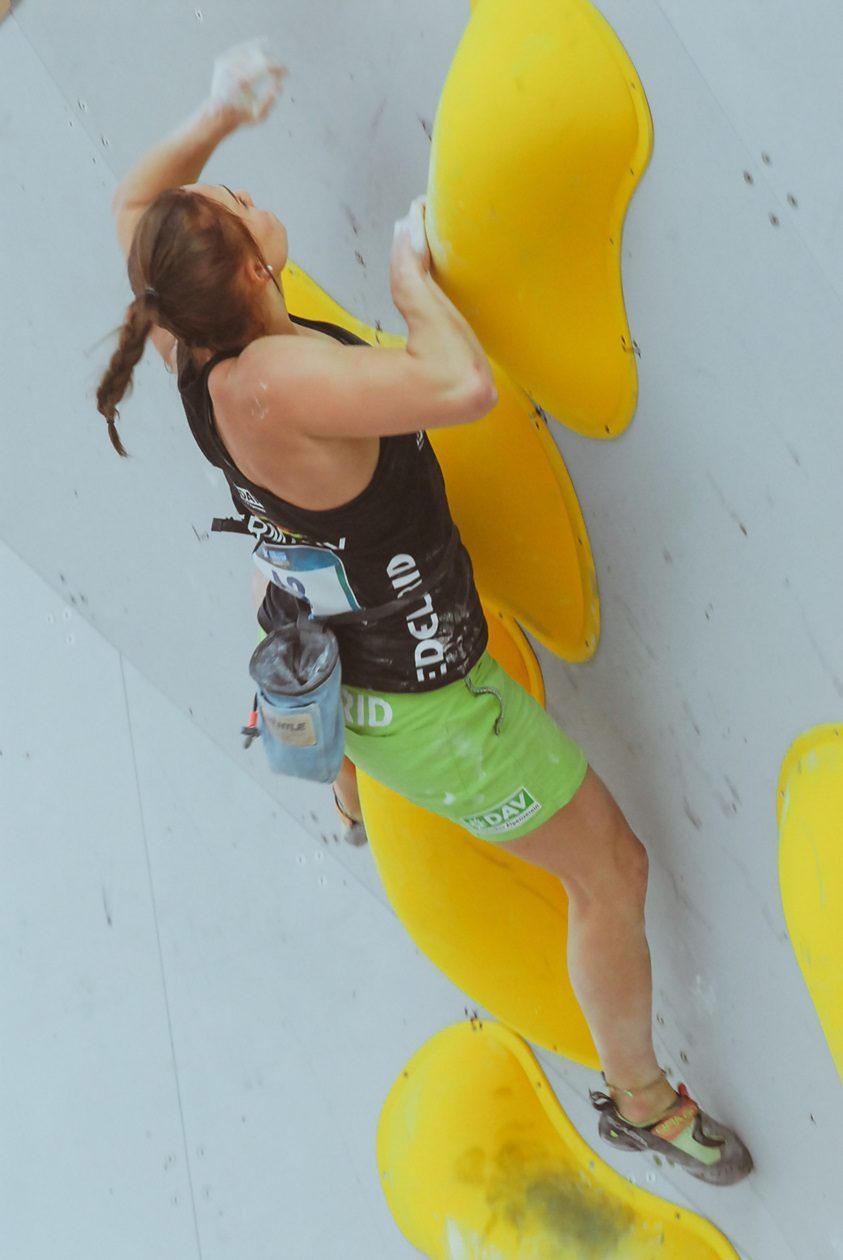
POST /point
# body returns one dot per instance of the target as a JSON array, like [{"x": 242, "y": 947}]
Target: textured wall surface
[{"x": 715, "y": 522}]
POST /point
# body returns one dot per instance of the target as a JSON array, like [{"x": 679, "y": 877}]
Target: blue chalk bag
[{"x": 297, "y": 672}]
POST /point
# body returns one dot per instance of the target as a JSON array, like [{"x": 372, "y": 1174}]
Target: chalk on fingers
[
  {"x": 246, "y": 77},
  {"x": 413, "y": 225}
]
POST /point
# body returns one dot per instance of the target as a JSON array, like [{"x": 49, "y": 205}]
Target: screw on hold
[
  {"x": 748, "y": 177},
  {"x": 83, "y": 106},
  {"x": 766, "y": 159},
  {"x": 199, "y": 15},
  {"x": 774, "y": 219},
  {"x": 791, "y": 201}
]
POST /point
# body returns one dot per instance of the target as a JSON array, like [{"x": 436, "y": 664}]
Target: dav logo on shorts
[{"x": 506, "y": 816}]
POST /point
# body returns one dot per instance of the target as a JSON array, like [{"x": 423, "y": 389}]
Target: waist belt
[{"x": 362, "y": 616}]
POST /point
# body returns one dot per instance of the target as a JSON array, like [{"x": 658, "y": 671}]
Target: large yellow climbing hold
[
  {"x": 519, "y": 517},
  {"x": 810, "y": 806},
  {"x": 496, "y": 926},
  {"x": 478, "y": 1161},
  {"x": 541, "y": 136}
]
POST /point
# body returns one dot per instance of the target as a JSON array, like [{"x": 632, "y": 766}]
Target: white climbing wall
[{"x": 204, "y": 997}]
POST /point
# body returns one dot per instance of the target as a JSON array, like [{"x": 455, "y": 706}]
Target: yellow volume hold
[
  {"x": 542, "y": 134},
  {"x": 496, "y": 926},
  {"x": 810, "y": 810},
  {"x": 478, "y": 1161}
]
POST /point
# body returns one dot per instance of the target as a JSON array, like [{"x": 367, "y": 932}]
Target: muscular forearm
[
  {"x": 179, "y": 159},
  {"x": 439, "y": 334}
]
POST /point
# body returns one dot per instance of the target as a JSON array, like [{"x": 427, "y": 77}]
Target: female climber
[{"x": 322, "y": 440}]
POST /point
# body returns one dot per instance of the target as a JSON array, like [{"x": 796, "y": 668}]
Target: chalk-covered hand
[
  {"x": 246, "y": 82},
  {"x": 410, "y": 243}
]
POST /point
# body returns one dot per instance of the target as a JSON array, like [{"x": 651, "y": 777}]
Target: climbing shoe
[{"x": 683, "y": 1134}]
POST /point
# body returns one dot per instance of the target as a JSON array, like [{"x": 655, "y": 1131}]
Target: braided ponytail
[
  {"x": 117, "y": 381},
  {"x": 187, "y": 255}
]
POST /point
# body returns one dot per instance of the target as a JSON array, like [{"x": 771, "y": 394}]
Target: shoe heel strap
[{"x": 639, "y": 1089}]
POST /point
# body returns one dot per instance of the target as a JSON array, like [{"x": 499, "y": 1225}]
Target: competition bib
[{"x": 310, "y": 573}]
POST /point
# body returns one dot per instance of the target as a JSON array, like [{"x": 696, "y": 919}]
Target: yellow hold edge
[{"x": 810, "y": 816}]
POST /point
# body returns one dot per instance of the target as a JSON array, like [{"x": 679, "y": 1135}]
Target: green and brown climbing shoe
[{"x": 683, "y": 1134}]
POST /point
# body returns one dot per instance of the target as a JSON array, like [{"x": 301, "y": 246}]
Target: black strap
[
  {"x": 359, "y": 616},
  {"x": 362, "y": 616},
  {"x": 230, "y": 525}
]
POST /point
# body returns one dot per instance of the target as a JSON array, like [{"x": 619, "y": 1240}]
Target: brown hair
[{"x": 186, "y": 272}]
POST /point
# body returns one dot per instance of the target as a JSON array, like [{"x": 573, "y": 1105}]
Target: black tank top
[{"x": 384, "y": 543}]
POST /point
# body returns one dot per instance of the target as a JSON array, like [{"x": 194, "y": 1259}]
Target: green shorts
[{"x": 480, "y": 751}]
